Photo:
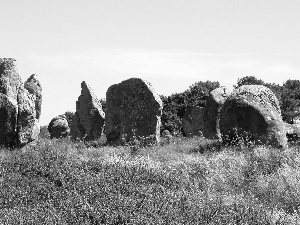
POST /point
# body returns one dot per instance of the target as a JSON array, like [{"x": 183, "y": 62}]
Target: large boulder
[
  {"x": 18, "y": 123},
  {"x": 212, "y": 110},
  {"x": 253, "y": 112},
  {"x": 33, "y": 86},
  {"x": 133, "y": 111},
  {"x": 192, "y": 121},
  {"x": 58, "y": 127},
  {"x": 89, "y": 117}
]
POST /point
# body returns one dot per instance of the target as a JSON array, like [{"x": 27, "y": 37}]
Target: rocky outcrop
[
  {"x": 192, "y": 121},
  {"x": 18, "y": 122},
  {"x": 212, "y": 110},
  {"x": 33, "y": 86},
  {"x": 133, "y": 111},
  {"x": 58, "y": 127},
  {"x": 89, "y": 117},
  {"x": 253, "y": 111}
]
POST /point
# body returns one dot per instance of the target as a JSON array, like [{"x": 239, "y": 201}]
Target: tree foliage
[
  {"x": 248, "y": 80},
  {"x": 174, "y": 106},
  {"x": 290, "y": 100},
  {"x": 69, "y": 117}
]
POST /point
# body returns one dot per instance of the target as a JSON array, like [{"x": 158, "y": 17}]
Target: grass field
[{"x": 185, "y": 181}]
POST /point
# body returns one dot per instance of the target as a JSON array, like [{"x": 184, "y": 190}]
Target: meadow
[{"x": 180, "y": 181}]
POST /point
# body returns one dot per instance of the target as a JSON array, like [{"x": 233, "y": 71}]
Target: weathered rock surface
[
  {"x": 133, "y": 110},
  {"x": 8, "y": 121},
  {"x": 89, "y": 116},
  {"x": 58, "y": 127},
  {"x": 33, "y": 86},
  {"x": 28, "y": 124},
  {"x": 253, "y": 110},
  {"x": 10, "y": 80},
  {"x": 212, "y": 110},
  {"x": 18, "y": 123},
  {"x": 192, "y": 121}
]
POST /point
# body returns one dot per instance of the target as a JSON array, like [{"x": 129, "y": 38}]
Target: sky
[{"x": 170, "y": 43}]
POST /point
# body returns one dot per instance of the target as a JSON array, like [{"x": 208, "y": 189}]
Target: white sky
[{"x": 170, "y": 43}]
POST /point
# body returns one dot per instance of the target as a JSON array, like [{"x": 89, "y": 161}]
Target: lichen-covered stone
[
  {"x": 18, "y": 123},
  {"x": 192, "y": 121},
  {"x": 89, "y": 117},
  {"x": 58, "y": 127},
  {"x": 10, "y": 82},
  {"x": 28, "y": 124},
  {"x": 133, "y": 111},
  {"x": 253, "y": 111},
  {"x": 212, "y": 110},
  {"x": 33, "y": 86}
]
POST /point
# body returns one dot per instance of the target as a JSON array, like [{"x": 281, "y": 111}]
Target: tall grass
[{"x": 184, "y": 181}]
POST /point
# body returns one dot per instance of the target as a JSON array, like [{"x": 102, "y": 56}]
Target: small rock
[{"x": 58, "y": 127}]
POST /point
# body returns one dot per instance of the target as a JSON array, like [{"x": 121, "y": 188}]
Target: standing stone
[
  {"x": 133, "y": 111},
  {"x": 10, "y": 82},
  {"x": 58, "y": 127},
  {"x": 192, "y": 122},
  {"x": 254, "y": 111},
  {"x": 89, "y": 117},
  {"x": 33, "y": 86},
  {"x": 28, "y": 124},
  {"x": 18, "y": 123},
  {"x": 212, "y": 110},
  {"x": 8, "y": 121}
]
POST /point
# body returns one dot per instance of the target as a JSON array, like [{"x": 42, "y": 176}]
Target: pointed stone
[
  {"x": 89, "y": 117},
  {"x": 33, "y": 86}
]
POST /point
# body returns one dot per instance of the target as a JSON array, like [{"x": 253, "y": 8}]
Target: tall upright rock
[
  {"x": 10, "y": 83},
  {"x": 18, "y": 123},
  {"x": 212, "y": 110},
  {"x": 192, "y": 121},
  {"x": 133, "y": 111},
  {"x": 33, "y": 86},
  {"x": 28, "y": 124},
  {"x": 89, "y": 117},
  {"x": 254, "y": 111}
]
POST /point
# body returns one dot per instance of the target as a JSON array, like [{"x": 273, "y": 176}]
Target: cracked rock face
[
  {"x": 133, "y": 111},
  {"x": 18, "y": 123},
  {"x": 58, "y": 127},
  {"x": 253, "y": 110},
  {"x": 192, "y": 121},
  {"x": 212, "y": 110},
  {"x": 33, "y": 86},
  {"x": 89, "y": 117}
]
